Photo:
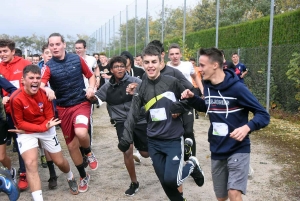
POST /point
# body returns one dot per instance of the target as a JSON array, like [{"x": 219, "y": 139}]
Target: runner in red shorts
[{"x": 64, "y": 73}]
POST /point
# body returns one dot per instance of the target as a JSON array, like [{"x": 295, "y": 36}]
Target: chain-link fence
[{"x": 170, "y": 21}]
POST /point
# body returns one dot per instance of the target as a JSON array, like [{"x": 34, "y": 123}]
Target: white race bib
[
  {"x": 158, "y": 114},
  {"x": 220, "y": 129}
]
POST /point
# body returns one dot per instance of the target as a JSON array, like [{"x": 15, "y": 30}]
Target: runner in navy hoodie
[{"x": 228, "y": 102}]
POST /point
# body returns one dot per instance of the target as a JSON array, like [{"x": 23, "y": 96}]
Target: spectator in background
[
  {"x": 18, "y": 52},
  {"x": 229, "y": 64},
  {"x": 29, "y": 58},
  {"x": 240, "y": 66},
  {"x": 96, "y": 55},
  {"x": 35, "y": 59},
  {"x": 138, "y": 62},
  {"x": 130, "y": 68}
]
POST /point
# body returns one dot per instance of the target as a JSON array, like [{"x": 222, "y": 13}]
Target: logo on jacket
[
  {"x": 41, "y": 106},
  {"x": 17, "y": 71}
]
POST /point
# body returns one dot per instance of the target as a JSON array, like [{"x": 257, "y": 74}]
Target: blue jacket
[
  {"x": 66, "y": 80},
  {"x": 228, "y": 105}
]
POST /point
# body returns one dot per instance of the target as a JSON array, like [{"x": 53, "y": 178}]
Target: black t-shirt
[{"x": 103, "y": 69}]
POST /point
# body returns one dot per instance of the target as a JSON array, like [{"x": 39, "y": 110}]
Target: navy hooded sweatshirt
[{"x": 228, "y": 104}]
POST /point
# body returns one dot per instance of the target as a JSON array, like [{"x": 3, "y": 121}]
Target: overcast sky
[{"x": 25, "y": 17}]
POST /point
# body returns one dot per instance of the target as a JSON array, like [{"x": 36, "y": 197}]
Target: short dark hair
[
  {"x": 7, "y": 43},
  {"x": 115, "y": 59},
  {"x": 214, "y": 54},
  {"x": 151, "y": 50},
  {"x": 234, "y": 54},
  {"x": 58, "y": 35},
  {"x": 36, "y": 55},
  {"x": 138, "y": 55},
  {"x": 81, "y": 41},
  {"x": 31, "y": 68},
  {"x": 18, "y": 52},
  {"x": 95, "y": 54},
  {"x": 193, "y": 59},
  {"x": 44, "y": 47},
  {"x": 174, "y": 45},
  {"x": 158, "y": 44}
]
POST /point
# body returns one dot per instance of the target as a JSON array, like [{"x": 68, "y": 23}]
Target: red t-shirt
[
  {"x": 46, "y": 73},
  {"x": 13, "y": 72},
  {"x": 31, "y": 113}
]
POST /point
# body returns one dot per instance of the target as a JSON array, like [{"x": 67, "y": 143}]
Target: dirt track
[{"x": 111, "y": 179}]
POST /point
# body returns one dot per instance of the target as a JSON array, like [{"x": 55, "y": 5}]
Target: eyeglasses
[{"x": 122, "y": 66}]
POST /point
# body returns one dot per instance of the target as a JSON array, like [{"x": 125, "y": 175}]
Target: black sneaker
[
  {"x": 73, "y": 186},
  {"x": 188, "y": 143},
  {"x": 197, "y": 174},
  {"x": 52, "y": 182},
  {"x": 133, "y": 188},
  {"x": 13, "y": 173}
]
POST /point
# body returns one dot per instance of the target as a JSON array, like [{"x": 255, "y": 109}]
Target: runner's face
[
  {"x": 235, "y": 58},
  {"x": 35, "y": 60},
  {"x": 118, "y": 70},
  {"x": 80, "y": 50},
  {"x": 175, "y": 56},
  {"x": 6, "y": 55},
  {"x": 31, "y": 83},
  {"x": 96, "y": 57},
  {"x": 103, "y": 59},
  {"x": 207, "y": 67},
  {"x": 139, "y": 61},
  {"x": 57, "y": 47},
  {"x": 46, "y": 55},
  {"x": 151, "y": 65}
]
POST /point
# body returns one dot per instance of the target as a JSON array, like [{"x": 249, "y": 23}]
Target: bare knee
[{"x": 234, "y": 194}]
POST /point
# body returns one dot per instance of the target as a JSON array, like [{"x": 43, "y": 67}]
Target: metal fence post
[
  {"x": 270, "y": 54},
  {"x": 217, "y": 23}
]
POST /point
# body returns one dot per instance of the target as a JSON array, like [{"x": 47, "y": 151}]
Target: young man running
[
  {"x": 33, "y": 115},
  {"x": 119, "y": 109},
  {"x": 228, "y": 103},
  {"x": 64, "y": 73},
  {"x": 11, "y": 68},
  {"x": 164, "y": 130}
]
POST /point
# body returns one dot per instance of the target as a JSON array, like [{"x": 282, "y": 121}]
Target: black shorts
[
  {"x": 3, "y": 132},
  {"x": 139, "y": 135}
]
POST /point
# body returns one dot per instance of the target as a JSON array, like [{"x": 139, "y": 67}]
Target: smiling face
[
  {"x": 57, "y": 47},
  {"x": 151, "y": 65},
  {"x": 207, "y": 67},
  {"x": 80, "y": 50},
  {"x": 6, "y": 55},
  {"x": 32, "y": 82}
]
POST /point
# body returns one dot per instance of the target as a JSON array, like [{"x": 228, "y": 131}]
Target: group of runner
[{"x": 151, "y": 105}]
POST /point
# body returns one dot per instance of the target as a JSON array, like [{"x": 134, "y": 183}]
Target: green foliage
[{"x": 293, "y": 73}]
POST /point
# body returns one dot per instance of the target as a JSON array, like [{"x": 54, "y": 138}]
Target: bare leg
[
  {"x": 4, "y": 159},
  {"x": 128, "y": 159},
  {"x": 235, "y": 195},
  {"x": 60, "y": 161}
]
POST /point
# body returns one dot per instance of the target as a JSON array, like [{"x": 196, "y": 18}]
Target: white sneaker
[
  {"x": 250, "y": 173},
  {"x": 137, "y": 156}
]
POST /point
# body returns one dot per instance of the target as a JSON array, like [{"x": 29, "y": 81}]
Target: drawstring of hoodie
[
  {"x": 208, "y": 102},
  {"x": 225, "y": 104}
]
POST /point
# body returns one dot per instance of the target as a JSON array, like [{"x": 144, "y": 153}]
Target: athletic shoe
[
  {"x": 15, "y": 149},
  {"x": 137, "y": 157},
  {"x": 13, "y": 173},
  {"x": 188, "y": 143},
  {"x": 22, "y": 184},
  {"x": 197, "y": 174},
  {"x": 93, "y": 163},
  {"x": 73, "y": 186},
  {"x": 52, "y": 182},
  {"x": 85, "y": 161},
  {"x": 250, "y": 173},
  {"x": 84, "y": 184},
  {"x": 8, "y": 186},
  {"x": 44, "y": 162},
  {"x": 133, "y": 188}
]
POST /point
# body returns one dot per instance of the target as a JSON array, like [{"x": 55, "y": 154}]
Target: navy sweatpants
[{"x": 169, "y": 166}]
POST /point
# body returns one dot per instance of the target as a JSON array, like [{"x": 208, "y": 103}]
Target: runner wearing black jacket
[{"x": 165, "y": 130}]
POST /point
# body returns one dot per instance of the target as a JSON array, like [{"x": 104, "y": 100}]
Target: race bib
[
  {"x": 220, "y": 129},
  {"x": 158, "y": 114},
  {"x": 16, "y": 83}
]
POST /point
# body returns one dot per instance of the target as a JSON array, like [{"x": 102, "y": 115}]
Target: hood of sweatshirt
[{"x": 129, "y": 56}]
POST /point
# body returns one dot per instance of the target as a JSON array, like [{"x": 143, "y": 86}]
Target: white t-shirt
[
  {"x": 91, "y": 63},
  {"x": 186, "y": 68}
]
